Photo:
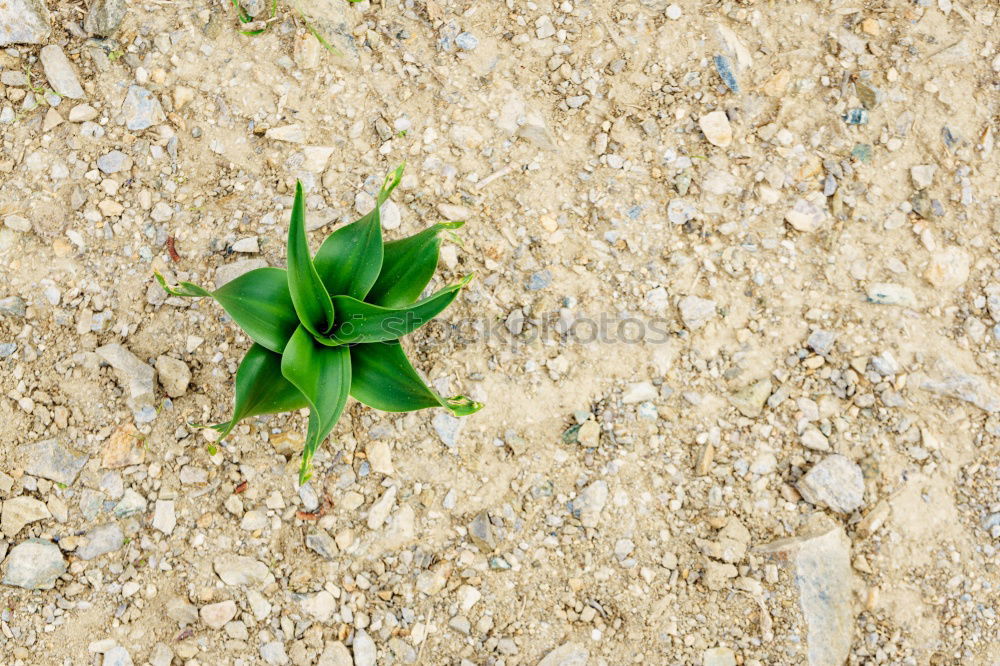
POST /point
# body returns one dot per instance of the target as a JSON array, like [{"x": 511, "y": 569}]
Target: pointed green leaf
[
  {"x": 258, "y": 301},
  {"x": 261, "y": 389},
  {"x": 382, "y": 377},
  {"x": 350, "y": 259},
  {"x": 358, "y": 321},
  {"x": 407, "y": 266},
  {"x": 323, "y": 375},
  {"x": 310, "y": 297}
]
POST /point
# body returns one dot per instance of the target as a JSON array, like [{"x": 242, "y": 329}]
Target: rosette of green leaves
[{"x": 329, "y": 325}]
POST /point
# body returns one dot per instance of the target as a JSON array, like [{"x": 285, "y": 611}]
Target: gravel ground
[{"x": 736, "y": 322}]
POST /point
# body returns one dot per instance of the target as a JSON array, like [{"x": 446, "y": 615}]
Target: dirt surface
[{"x": 734, "y": 322}]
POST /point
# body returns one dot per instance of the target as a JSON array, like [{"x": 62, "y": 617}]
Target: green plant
[{"x": 330, "y": 324}]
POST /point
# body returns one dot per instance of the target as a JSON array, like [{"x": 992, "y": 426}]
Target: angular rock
[
  {"x": 51, "y": 460},
  {"x": 21, "y": 511},
  {"x": 123, "y": 448},
  {"x": 639, "y": 392},
  {"x": 60, "y": 72},
  {"x": 130, "y": 503},
  {"x": 174, "y": 375},
  {"x": 923, "y": 175},
  {"x": 100, "y": 541},
  {"x": 320, "y": 542},
  {"x": 447, "y": 428},
  {"x": 241, "y": 570},
  {"x": 274, "y": 653},
  {"x": 381, "y": 508},
  {"x": 23, "y": 22},
  {"x": 117, "y": 656},
  {"x": 589, "y": 504},
  {"x": 335, "y": 654},
  {"x": 164, "y": 516},
  {"x": 812, "y": 438},
  {"x": 821, "y": 568},
  {"x": 567, "y": 654},
  {"x": 364, "y": 649},
  {"x": 141, "y": 109},
  {"x": 134, "y": 375},
  {"x": 289, "y": 133},
  {"x": 956, "y": 384},
  {"x": 481, "y": 532},
  {"x": 215, "y": 616},
  {"x": 34, "y": 565},
  {"x": 104, "y": 17},
  {"x": 750, "y": 399},
  {"x": 113, "y": 162},
  {"x": 696, "y": 312},
  {"x": 380, "y": 457},
  {"x": 835, "y": 482}
]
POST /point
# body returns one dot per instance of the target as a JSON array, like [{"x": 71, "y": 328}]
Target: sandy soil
[{"x": 781, "y": 446}]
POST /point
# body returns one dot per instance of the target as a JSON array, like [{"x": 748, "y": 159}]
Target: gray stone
[
  {"x": 134, "y": 375},
  {"x": 7, "y": 349},
  {"x": 274, "y": 653},
  {"x": 12, "y": 306},
  {"x": 241, "y": 570},
  {"x": 51, "y": 460},
  {"x": 567, "y": 654},
  {"x": 174, "y": 375},
  {"x": 141, "y": 109},
  {"x": 104, "y": 17},
  {"x": 589, "y": 504},
  {"x": 466, "y": 41},
  {"x": 132, "y": 502},
  {"x": 321, "y": 543},
  {"x": 164, "y": 516},
  {"x": 539, "y": 280},
  {"x": 229, "y": 272},
  {"x": 60, "y": 72},
  {"x": 750, "y": 399},
  {"x": 380, "y": 509},
  {"x": 101, "y": 540},
  {"x": 481, "y": 532},
  {"x": 335, "y": 654},
  {"x": 835, "y": 482},
  {"x": 447, "y": 428},
  {"x": 821, "y": 564},
  {"x": 696, "y": 312},
  {"x": 117, "y": 656},
  {"x": 821, "y": 341},
  {"x": 181, "y": 611},
  {"x": 364, "y": 649},
  {"x": 34, "y": 565},
  {"x": 21, "y": 511},
  {"x": 113, "y": 162},
  {"x": 956, "y": 384},
  {"x": 23, "y": 22}
]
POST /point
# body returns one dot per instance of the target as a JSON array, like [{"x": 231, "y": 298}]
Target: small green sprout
[{"x": 329, "y": 325}]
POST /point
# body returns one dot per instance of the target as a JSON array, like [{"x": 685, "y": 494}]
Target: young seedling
[{"x": 329, "y": 325}]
